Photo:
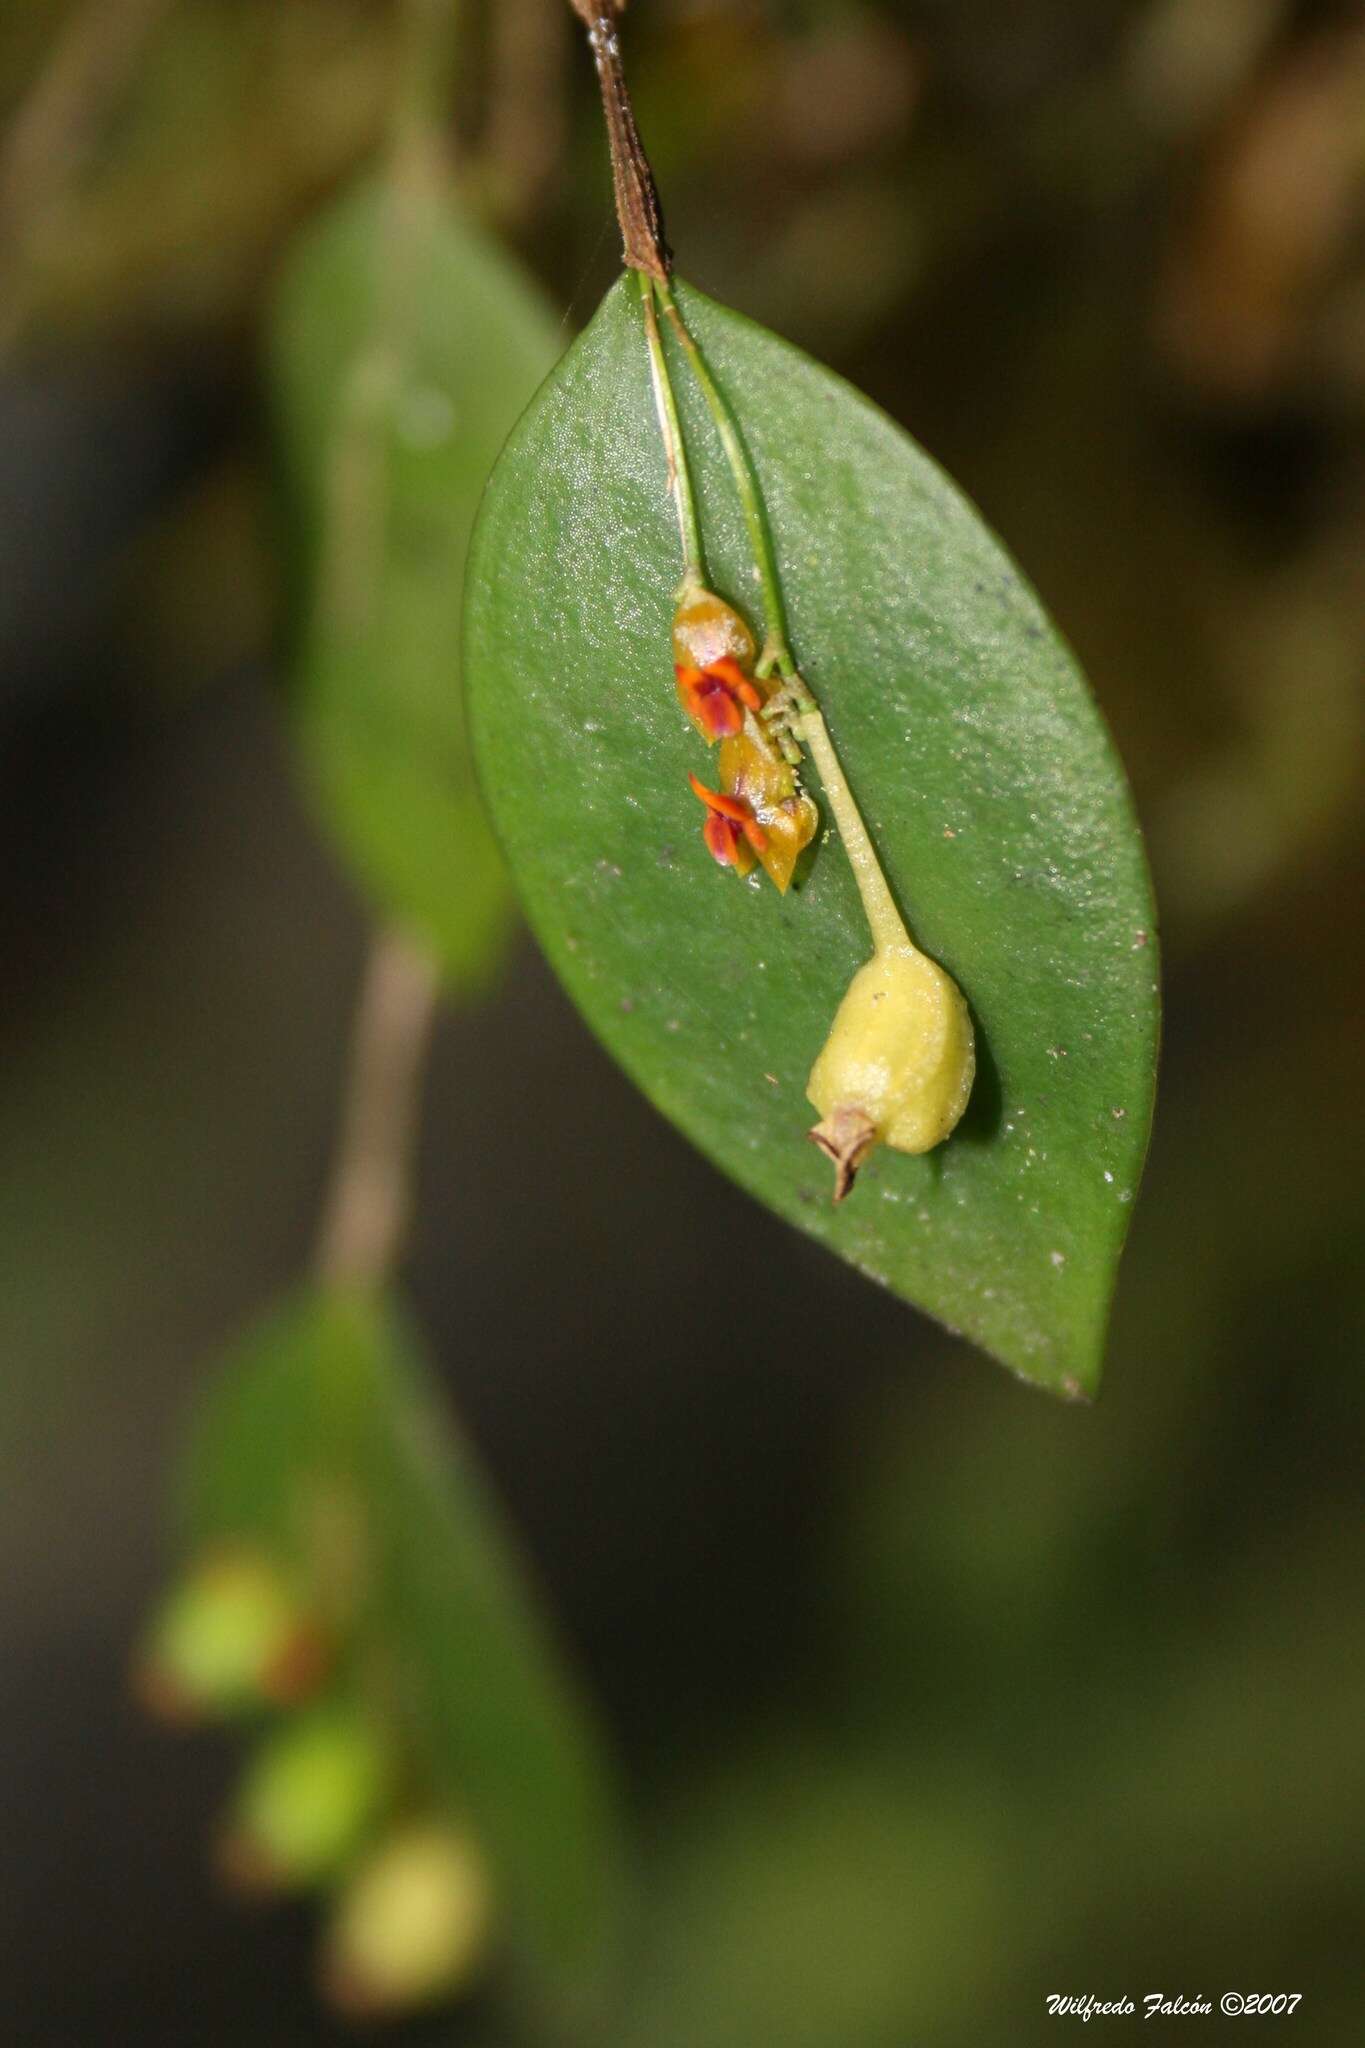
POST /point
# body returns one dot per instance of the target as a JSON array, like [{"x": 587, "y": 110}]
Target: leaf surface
[
  {"x": 974, "y": 749},
  {"x": 405, "y": 344},
  {"x": 321, "y": 1439}
]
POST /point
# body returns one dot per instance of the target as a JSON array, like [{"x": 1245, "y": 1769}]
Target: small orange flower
[
  {"x": 732, "y": 833},
  {"x": 760, "y": 811},
  {"x": 754, "y": 773},
  {"x": 716, "y": 697}
]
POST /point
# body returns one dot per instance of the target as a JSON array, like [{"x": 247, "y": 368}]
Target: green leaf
[
  {"x": 321, "y": 1439},
  {"x": 971, "y": 744},
  {"x": 404, "y": 345}
]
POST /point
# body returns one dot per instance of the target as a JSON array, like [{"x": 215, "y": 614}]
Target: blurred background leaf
[
  {"x": 319, "y": 1441},
  {"x": 404, "y": 346}
]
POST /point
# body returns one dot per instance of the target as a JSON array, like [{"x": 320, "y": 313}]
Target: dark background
[{"x": 934, "y": 1698}]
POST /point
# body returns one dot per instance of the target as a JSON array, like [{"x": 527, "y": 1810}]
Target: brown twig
[
  {"x": 525, "y": 132},
  {"x": 57, "y": 128},
  {"x": 367, "y": 1203},
  {"x": 637, "y": 198}
]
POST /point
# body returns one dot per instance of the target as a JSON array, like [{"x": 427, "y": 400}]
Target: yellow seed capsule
[
  {"x": 706, "y": 630},
  {"x": 898, "y": 1065}
]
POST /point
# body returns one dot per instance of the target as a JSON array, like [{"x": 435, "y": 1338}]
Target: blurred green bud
[
  {"x": 231, "y": 1637},
  {"x": 412, "y": 1928},
  {"x": 310, "y": 1795}
]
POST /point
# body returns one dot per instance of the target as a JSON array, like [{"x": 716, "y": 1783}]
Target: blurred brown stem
[
  {"x": 524, "y": 139},
  {"x": 52, "y": 135},
  {"x": 428, "y": 53},
  {"x": 637, "y": 199},
  {"x": 366, "y": 1209},
  {"x": 56, "y": 129}
]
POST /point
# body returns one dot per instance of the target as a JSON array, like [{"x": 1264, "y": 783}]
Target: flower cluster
[{"x": 759, "y": 814}]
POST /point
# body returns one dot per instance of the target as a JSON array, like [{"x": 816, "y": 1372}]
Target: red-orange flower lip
[
  {"x": 728, "y": 673},
  {"x": 735, "y": 809},
  {"x": 729, "y": 824},
  {"x": 715, "y": 698}
]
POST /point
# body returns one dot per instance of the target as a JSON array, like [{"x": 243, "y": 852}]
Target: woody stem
[
  {"x": 675, "y": 450},
  {"x": 637, "y": 198},
  {"x": 370, "y": 1191}
]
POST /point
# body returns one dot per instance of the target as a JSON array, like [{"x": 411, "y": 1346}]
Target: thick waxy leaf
[
  {"x": 320, "y": 1439},
  {"x": 405, "y": 345},
  {"x": 974, "y": 750}
]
